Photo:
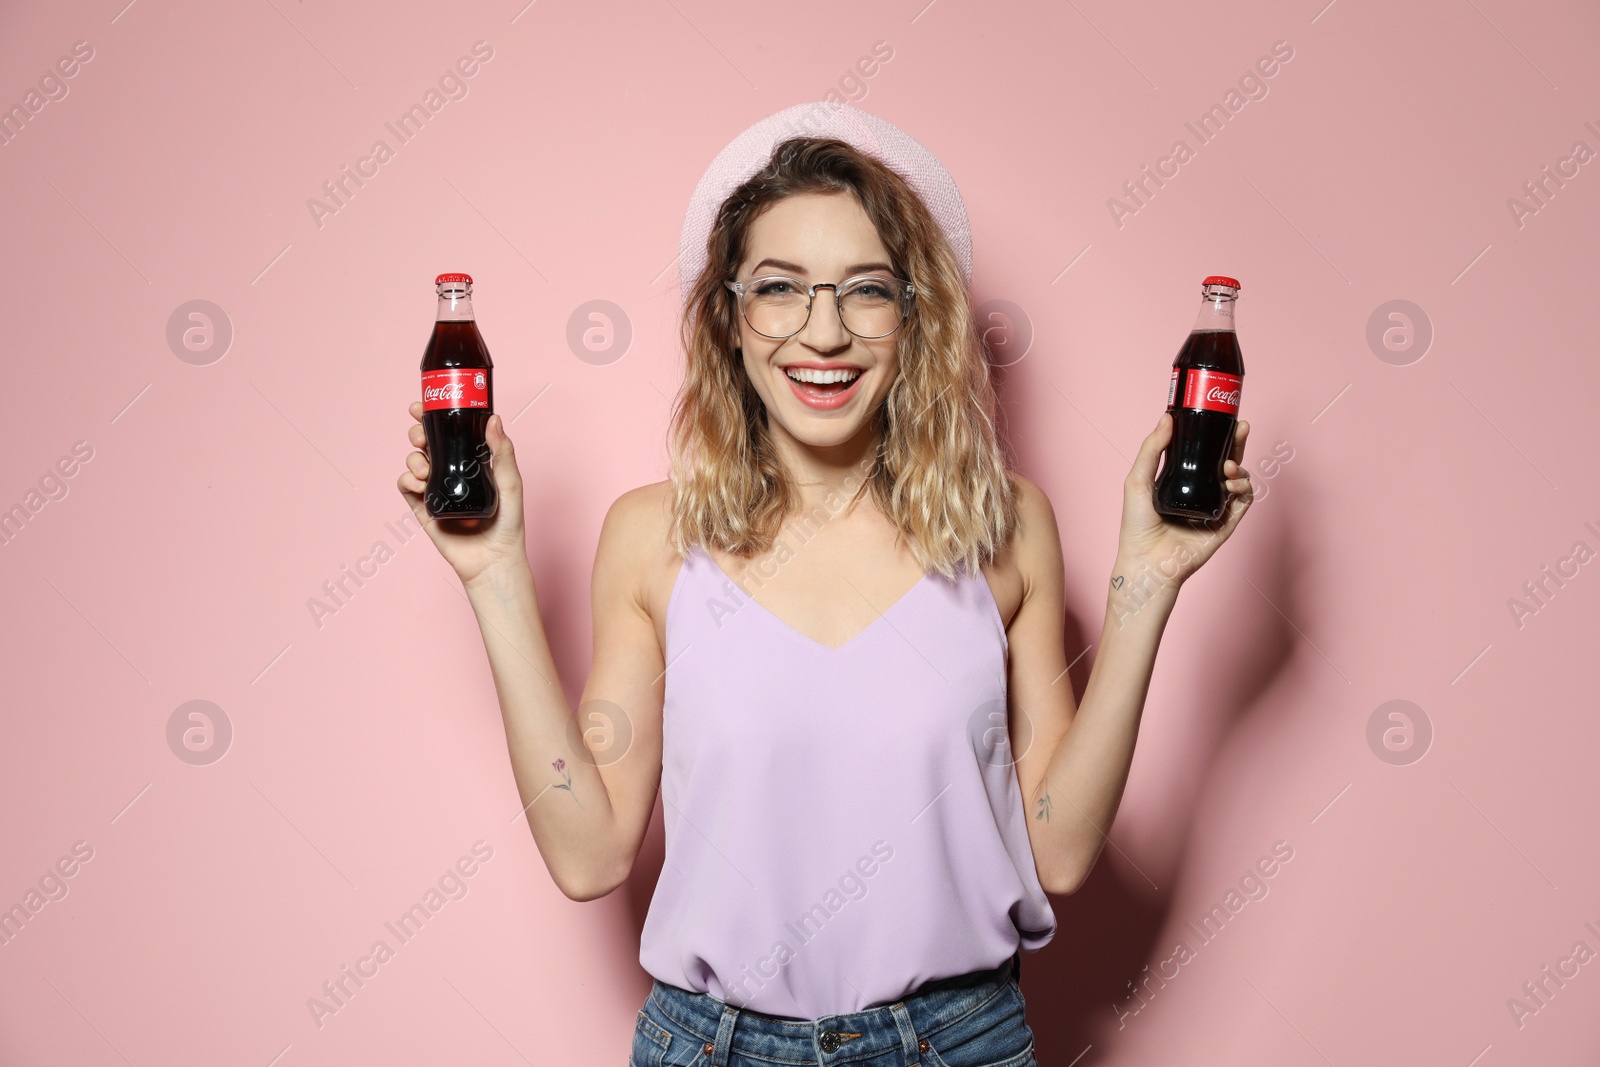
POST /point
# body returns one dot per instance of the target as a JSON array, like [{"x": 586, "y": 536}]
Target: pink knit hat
[{"x": 749, "y": 152}]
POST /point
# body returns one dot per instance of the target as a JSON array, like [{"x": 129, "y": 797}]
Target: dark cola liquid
[
  {"x": 460, "y": 482},
  {"x": 1190, "y": 483}
]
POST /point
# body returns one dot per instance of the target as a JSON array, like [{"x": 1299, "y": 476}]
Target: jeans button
[
  {"x": 922, "y": 1046},
  {"x": 830, "y": 1041}
]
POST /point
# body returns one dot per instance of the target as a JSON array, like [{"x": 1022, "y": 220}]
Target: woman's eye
[
  {"x": 775, "y": 288},
  {"x": 875, "y": 290}
]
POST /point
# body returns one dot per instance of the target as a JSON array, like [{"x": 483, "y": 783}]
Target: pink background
[{"x": 367, "y": 754}]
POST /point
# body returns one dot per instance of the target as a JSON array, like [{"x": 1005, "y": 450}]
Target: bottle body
[
  {"x": 1203, "y": 399},
  {"x": 457, "y": 400}
]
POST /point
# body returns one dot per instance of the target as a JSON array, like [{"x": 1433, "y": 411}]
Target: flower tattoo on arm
[{"x": 566, "y": 783}]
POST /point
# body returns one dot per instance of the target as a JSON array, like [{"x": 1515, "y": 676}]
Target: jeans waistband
[{"x": 855, "y": 1035}]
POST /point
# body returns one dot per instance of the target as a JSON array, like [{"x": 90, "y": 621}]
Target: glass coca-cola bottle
[
  {"x": 457, "y": 400},
  {"x": 1203, "y": 397}
]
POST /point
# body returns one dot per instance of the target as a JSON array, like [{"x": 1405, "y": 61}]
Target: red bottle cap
[
  {"x": 1215, "y": 279},
  {"x": 453, "y": 278}
]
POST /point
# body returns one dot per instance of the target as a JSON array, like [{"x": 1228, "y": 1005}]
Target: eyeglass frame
[{"x": 908, "y": 292}]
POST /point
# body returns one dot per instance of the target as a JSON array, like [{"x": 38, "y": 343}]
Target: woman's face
[{"x": 818, "y": 237}]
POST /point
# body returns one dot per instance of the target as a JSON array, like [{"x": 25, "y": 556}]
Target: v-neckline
[{"x": 767, "y": 612}]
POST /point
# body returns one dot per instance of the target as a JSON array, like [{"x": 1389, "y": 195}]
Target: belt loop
[
  {"x": 1016, "y": 964},
  {"x": 723, "y": 1052},
  {"x": 908, "y": 1033}
]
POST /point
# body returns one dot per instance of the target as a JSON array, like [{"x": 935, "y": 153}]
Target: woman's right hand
[{"x": 473, "y": 547}]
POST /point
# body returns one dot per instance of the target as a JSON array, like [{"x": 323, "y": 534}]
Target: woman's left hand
[{"x": 1176, "y": 549}]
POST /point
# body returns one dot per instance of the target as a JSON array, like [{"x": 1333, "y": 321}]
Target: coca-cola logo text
[
  {"x": 1209, "y": 390},
  {"x": 455, "y": 387}
]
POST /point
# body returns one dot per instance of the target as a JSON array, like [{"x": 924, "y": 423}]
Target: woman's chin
[{"x": 822, "y": 430}]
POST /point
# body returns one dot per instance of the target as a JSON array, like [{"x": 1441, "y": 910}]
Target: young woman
[{"x": 834, "y": 639}]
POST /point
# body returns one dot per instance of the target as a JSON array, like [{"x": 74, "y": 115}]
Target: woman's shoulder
[
  {"x": 636, "y": 525},
  {"x": 635, "y": 550},
  {"x": 1032, "y": 555},
  {"x": 646, "y": 504},
  {"x": 1036, "y": 516},
  {"x": 1036, "y": 545}
]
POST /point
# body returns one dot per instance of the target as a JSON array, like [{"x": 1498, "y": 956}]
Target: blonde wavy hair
[{"x": 939, "y": 474}]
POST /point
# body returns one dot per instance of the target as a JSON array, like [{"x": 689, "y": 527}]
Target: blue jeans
[{"x": 972, "y": 1020}]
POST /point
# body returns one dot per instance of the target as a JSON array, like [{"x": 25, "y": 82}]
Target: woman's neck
[{"x": 839, "y": 469}]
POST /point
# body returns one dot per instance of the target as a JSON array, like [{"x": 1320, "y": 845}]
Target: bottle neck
[
  {"x": 455, "y": 304},
  {"x": 1216, "y": 308}
]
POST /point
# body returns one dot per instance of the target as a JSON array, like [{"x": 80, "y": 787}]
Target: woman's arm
[
  {"x": 1075, "y": 763},
  {"x": 587, "y": 784}
]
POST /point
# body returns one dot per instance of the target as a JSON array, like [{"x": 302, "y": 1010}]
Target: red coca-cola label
[
  {"x": 457, "y": 387},
  {"x": 1208, "y": 390}
]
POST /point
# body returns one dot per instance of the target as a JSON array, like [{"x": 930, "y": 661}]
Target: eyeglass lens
[{"x": 778, "y": 307}]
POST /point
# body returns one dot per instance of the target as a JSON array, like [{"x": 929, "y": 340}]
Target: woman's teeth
[{"x": 822, "y": 377}]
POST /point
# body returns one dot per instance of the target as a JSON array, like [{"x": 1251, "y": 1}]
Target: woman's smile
[{"x": 823, "y": 386}]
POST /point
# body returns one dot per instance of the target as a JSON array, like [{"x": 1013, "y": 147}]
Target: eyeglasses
[{"x": 870, "y": 306}]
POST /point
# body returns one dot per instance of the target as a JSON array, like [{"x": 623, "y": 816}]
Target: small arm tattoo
[{"x": 561, "y": 768}]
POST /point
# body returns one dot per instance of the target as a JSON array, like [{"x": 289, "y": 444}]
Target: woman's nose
[{"x": 824, "y": 330}]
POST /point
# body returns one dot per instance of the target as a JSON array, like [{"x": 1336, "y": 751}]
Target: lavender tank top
[{"x": 844, "y": 824}]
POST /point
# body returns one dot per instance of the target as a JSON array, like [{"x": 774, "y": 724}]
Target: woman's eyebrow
[
  {"x": 781, "y": 264},
  {"x": 858, "y": 268}
]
